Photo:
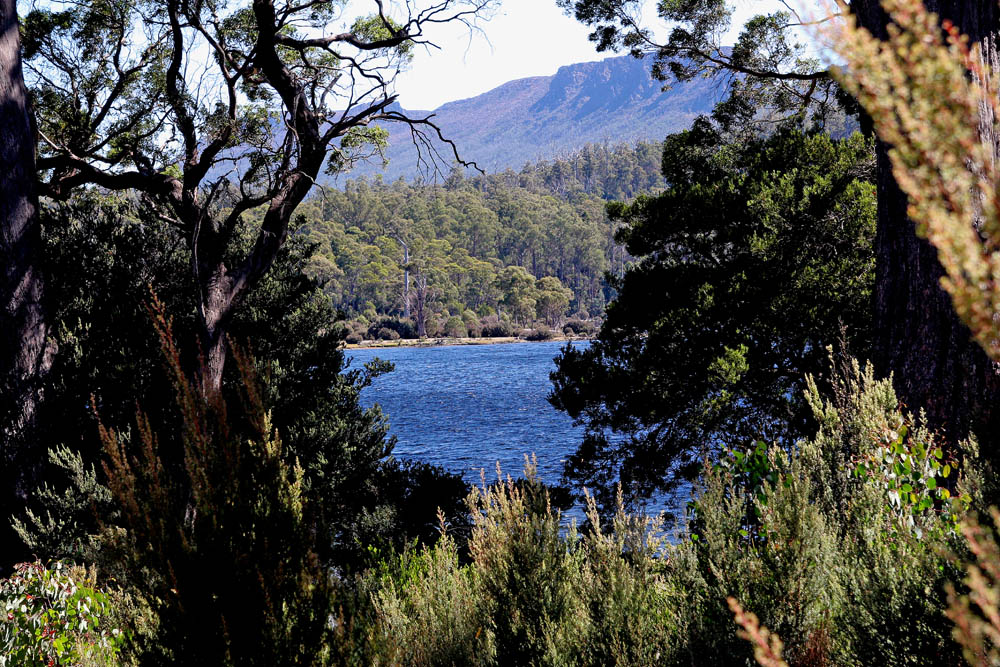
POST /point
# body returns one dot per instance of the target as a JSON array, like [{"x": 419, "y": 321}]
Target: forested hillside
[{"x": 528, "y": 245}]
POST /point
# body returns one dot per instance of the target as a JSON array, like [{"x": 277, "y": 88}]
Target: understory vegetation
[
  {"x": 850, "y": 546},
  {"x": 253, "y": 512}
]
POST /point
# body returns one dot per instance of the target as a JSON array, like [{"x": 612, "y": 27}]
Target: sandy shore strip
[{"x": 439, "y": 342}]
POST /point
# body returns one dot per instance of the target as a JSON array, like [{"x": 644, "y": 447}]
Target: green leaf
[
  {"x": 931, "y": 483},
  {"x": 946, "y": 471}
]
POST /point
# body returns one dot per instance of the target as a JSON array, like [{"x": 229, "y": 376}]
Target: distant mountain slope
[{"x": 612, "y": 101}]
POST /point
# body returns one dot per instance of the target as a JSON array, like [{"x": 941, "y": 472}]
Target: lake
[{"x": 465, "y": 407}]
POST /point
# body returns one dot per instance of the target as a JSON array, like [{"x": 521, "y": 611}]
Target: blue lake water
[{"x": 466, "y": 407}]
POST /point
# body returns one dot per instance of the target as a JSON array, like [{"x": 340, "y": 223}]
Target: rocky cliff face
[{"x": 614, "y": 100}]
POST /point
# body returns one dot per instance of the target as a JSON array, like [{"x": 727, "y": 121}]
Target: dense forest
[
  {"x": 529, "y": 245},
  {"x": 800, "y": 330}
]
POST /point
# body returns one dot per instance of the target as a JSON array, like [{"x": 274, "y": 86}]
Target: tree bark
[
  {"x": 216, "y": 312},
  {"x": 24, "y": 352},
  {"x": 936, "y": 365}
]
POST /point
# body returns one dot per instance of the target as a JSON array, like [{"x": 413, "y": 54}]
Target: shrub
[
  {"x": 55, "y": 615},
  {"x": 977, "y": 614},
  {"x": 403, "y": 328},
  {"x": 434, "y": 326},
  {"x": 455, "y": 327},
  {"x": 819, "y": 551},
  {"x": 579, "y": 327},
  {"x": 472, "y": 326},
  {"x": 540, "y": 332},
  {"x": 386, "y": 333},
  {"x": 219, "y": 531},
  {"x": 403, "y": 505},
  {"x": 427, "y": 611},
  {"x": 526, "y": 572},
  {"x": 494, "y": 327},
  {"x": 534, "y": 592}
]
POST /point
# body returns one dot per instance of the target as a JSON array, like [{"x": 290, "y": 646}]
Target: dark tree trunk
[
  {"x": 216, "y": 313},
  {"x": 24, "y": 352},
  {"x": 935, "y": 363}
]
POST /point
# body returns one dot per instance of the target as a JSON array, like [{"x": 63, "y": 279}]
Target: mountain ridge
[{"x": 611, "y": 101}]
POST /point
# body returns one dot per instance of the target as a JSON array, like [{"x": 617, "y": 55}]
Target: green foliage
[
  {"x": 54, "y": 615},
  {"x": 402, "y": 328},
  {"x": 102, "y": 256},
  {"x": 532, "y": 593},
  {"x": 824, "y": 558},
  {"x": 526, "y": 573},
  {"x": 977, "y": 614},
  {"x": 426, "y": 611},
  {"x": 915, "y": 474},
  {"x": 218, "y": 529},
  {"x": 547, "y": 220},
  {"x": 757, "y": 256}
]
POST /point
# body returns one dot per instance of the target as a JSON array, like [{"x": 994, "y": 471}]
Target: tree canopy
[
  {"x": 756, "y": 257},
  {"x": 771, "y": 74},
  {"x": 211, "y": 109},
  {"x": 455, "y": 240}
]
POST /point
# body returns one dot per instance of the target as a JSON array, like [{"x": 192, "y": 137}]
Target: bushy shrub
[
  {"x": 353, "y": 331},
  {"x": 402, "y": 506},
  {"x": 818, "y": 548},
  {"x": 494, "y": 327},
  {"x": 819, "y": 551},
  {"x": 402, "y": 328},
  {"x": 385, "y": 333},
  {"x": 455, "y": 327},
  {"x": 218, "y": 529},
  {"x": 426, "y": 610},
  {"x": 55, "y": 615},
  {"x": 435, "y": 326},
  {"x": 534, "y": 592},
  {"x": 539, "y": 333},
  {"x": 579, "y": 327}
]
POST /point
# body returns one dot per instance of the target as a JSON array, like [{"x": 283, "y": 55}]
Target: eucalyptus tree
[
  {"x": 918, "y": 338},
  {"x": 213, "y": 109},
  {"x": 24, "y": 350}
]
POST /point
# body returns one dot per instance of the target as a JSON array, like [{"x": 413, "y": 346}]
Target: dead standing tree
[{"x": 211, "y": 109}]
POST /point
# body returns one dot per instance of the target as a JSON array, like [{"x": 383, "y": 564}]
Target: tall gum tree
[
  {"x": 213, "y": 109},
  {"x": 24, "y": 350},
  {"x": 936, "y": 365}
]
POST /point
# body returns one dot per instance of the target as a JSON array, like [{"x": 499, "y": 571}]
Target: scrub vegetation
[{"x": 191, "y": 477}]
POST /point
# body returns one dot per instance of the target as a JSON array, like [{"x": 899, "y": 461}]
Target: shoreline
[{"x": 446, "y": 342}]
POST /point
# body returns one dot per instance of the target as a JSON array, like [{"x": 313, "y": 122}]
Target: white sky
[{"x": 525, "y": 38}]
